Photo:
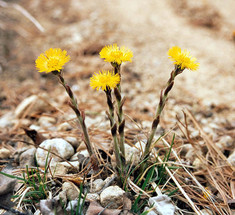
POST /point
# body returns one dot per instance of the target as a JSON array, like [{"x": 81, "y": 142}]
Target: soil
[{"x": 206, "y": 28}]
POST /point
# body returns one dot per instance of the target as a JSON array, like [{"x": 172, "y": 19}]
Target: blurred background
[{"x": 149, "y": 28}]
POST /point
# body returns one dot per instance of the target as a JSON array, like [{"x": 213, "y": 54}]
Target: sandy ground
[{"x": 149, "y": 28}]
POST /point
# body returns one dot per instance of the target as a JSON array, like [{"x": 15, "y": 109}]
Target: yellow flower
[
  {"x": 114, "y": 54},
  {"x": 182, "y": 58},
  {"x": 104, "y": 80},
  {"x": 207, "y": 194},
  {"x": 52, "y": 60}
]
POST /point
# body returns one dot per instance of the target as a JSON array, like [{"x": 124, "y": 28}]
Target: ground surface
[{"x": 149, "y": 28}]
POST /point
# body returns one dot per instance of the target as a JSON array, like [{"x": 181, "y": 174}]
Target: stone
[
  {"x": 97, "y": 185},
  {"x": 132, "y": 154},
  {"x": 32, "y": 104},
  {"x": 162, "y": 205},
  {"x": 4, "y": 153},
  {"x": 197, "y": 163},
  {"x": 73, "y": 141},
  {"x": 72, "y": 192},
  {"x": 46, "y": 121},
  {"x": 63, "y": 168},
  {"x": 231, "y": 158},
  {"x": 56, "y": 145},
  {"x": 28, "y": 157},
  {"x": 112, "y": 196},
  {"x": 225, "y": 143},
  {"x": 75, "y": 157},
  {"x": 150, "y": 211},
  {"x": 92, "y": 197},
  {"x": 61, "y": 197},
  {"x": 65, "y": 126},
  {"x": 206, "y": 212},
  {"x": 7, "y": 120},
  {"x": 72, "y": 205}
]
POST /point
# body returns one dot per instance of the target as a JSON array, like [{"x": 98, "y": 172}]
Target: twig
[{"x": 24, "y": 12}]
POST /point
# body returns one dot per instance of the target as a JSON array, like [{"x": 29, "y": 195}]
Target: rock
[
  {"x": 27, "y": 157},
  {"x": 75, "y": 157},
  {"x": 92, "y": 197},
  {"x": 112, "y": 196},
  {"x": 206, "y": 212},
  {"x": 34, "y": 127},
  {"x": 132, "y": 154},
  {"x": 231, "y": 159},
  {"x": 7, "y": 184},
  {"x": 61, "y": 197},
  {"x": 72, "y": 205},
  {"x": 32, "y": 105},
  {"x": 97, "y": 185},
  {"x": 225, "y": 143},
  {"x": 73, "y": 141},
  {"x": 58, "y": 146},
  {"x": 72, "y": 192},
  {"x": 4, "y": 153},
  {"x": 197, "y": 163},
  {"x": 162, "y": 204},
  {"x": 7, "y": 120},
  {"x": 95, "y": 208},
  {"x": 50, "y": 206},
  {"x": 85, "y": 153},
  {"x": 46, "y": 121},
  {"x": 65, "y": 126},
  {"x": 150, "y": 212},
  {"x": 191, "y": 155},
  {"x": 64, "y": 168}
]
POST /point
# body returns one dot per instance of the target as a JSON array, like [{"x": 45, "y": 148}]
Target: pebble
[
  {"x": 150, "y": 211},
  {"x": 73, "y": 141},
  {"x": 63, "y": 168},
  {"x": 65, "y": 126},
  {"x": 197, "y": 163},
  {"x": 72, "y": 192},
  {"x": 231, "y": 159},
  {"x": 162, "y": 204},
  {"x": 97, "y": 185},
  {"x": 112, "y": 196},
  {"x": 206, "y": 212},
  {"x": 132, "y": 154},
  {"x": 72, "y": 206},
  {"x": 4, "y": 153},
  {"x": 27, "y": 157},
  {"x": 46, "y": 121},
  {"x": 225, "y": 142},
  {"x": 7, "y": 120},
  {"x": 35, "y": 103},
  {"x": 56, "y": 145},
  {"x": 92, "y": 197}
]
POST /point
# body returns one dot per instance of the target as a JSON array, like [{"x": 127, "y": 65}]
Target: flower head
[
  {"x": 114, "y": 54},
  {"x": 52, "y": 60},
  {"x": 104, "y": 80},
  {"x": 182, "y": 58}
]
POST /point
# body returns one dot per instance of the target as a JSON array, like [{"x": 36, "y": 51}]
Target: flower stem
[
  {"x": 80, "y": 116},
  {"x": 161, "y": 105},
  {"x": 113, "y": 128},
  {"x": 121, "y": 120}
]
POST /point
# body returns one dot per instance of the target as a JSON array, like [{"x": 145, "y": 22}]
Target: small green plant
[
  {"x": 154, "y": 173},
  {"x": 35, "y": 182},
  {"x": 80, "y": 204}
]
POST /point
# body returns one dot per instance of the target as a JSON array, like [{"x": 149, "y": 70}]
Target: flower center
[
  {"x": 116, "y": 54},
  {"x": 53, "y": 63}
]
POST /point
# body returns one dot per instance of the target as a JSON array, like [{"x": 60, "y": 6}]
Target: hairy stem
[
  {"x": 161, "y": 105},
  {"x": 80, "y": 117}
]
